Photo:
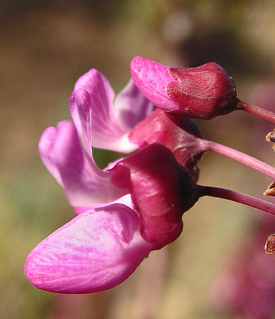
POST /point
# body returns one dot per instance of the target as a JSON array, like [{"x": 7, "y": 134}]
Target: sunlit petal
[{"x": 95, "y": 251}]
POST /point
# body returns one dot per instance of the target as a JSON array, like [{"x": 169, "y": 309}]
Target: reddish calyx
[
  {"x": 161, "y": 191},
  {"x": 179, "y": 134}
]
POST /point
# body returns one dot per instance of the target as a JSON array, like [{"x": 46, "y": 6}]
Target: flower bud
[{"x": 202, "y": 92}]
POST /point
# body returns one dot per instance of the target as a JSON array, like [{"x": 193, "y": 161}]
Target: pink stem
[
  {"x": 237, "y": 197},
  {"x": 256, "y": 110},
  {"x": 239, "y": 157}
]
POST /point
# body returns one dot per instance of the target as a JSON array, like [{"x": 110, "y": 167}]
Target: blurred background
[{"x": 217, "y": 268}]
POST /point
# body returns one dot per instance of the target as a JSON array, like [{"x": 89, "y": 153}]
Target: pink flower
[
  {"x": 125, "y": 211},
  {"x": 99, "y": 121},
  {"x": 130, "y": 208},
  {"x": 102, "y": 247},
  {"x": 200, "y": 92}
]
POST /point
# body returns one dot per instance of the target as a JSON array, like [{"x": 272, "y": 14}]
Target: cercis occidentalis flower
[
  {"x": 133, "y": 206},
  {"x": 201, "y": 92},
  {"x": 122, "y": 125},
  {"x": 102, "y": 246},
  {"x": 99, "y": 121}
]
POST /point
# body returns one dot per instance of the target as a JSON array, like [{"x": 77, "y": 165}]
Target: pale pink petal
[
  {"x": 93, "y": 113},
  {"x": 80, "y": 102},
  {"x": 45, "y": 146},
  {"x": 84, "y": 183},
  {"x": 95, "y": 251},
  {"x": 131, "y": 106},
  {"x": 152, "y": 78}
]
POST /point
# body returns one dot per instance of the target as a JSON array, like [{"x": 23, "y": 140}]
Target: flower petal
[
  {"x": 95, "y": 251},
  {"x": 84, "y": 183},
  {"x": 93, "y": 114},
  {"x": 131, "y": 106},
  {"x": 152, "y": 78},
  {"x": 97, "y": 85}
]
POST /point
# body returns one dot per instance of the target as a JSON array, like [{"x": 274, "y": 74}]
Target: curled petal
[
  {"x": 93, "y": 113},
  {"x": 81, "y": 113},
  {"x": 95, "y": 251},
  {"x": 97, "y": 85},
  {"x": 152, "y": 78},
  {"x": 45, "y": 146},
  {"x": 84, "y": 183}
]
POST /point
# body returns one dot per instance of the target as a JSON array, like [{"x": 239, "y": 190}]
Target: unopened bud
[{"x": 202, "y": 92}]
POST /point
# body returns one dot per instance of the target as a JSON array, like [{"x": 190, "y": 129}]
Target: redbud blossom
[
  {"x": 103, "y": 246},
  {"x": 135, "y": 205},
  {"x": 201, "y": 92}
]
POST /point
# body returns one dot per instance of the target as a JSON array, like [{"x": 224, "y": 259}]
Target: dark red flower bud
[{"x": 200, "y": 92}]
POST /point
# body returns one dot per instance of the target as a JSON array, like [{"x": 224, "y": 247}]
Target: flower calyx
[
  {"x": 180, "y": 135},
  {"x": 161, "y": 191}
]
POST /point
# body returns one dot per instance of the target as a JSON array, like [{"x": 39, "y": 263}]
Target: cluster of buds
[{"x": 135, "y": 205}]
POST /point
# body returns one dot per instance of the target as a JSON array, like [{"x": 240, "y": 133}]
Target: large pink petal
[
  {"x": 95, "y": 251},
  {"x": 84, "y": 183},
  {"x": 152, "y": 78},
  {"x": 93, "y": 113}
]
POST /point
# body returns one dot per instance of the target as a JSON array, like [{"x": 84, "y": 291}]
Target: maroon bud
[
  {"x": 203, "y": 92},
  {"x": 200, "y": 92}
]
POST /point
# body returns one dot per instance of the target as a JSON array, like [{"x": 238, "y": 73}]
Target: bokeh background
[{"x": 44, "y": 47}]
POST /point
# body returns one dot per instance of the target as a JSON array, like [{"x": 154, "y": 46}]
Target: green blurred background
[{"x": 45, "y": 47}]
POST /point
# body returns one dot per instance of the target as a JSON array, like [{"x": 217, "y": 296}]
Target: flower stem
[
  {"x": 237, "y": 197},
  {"x": 239, "y": 157},
  {"x": 256, "y": 110}
]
